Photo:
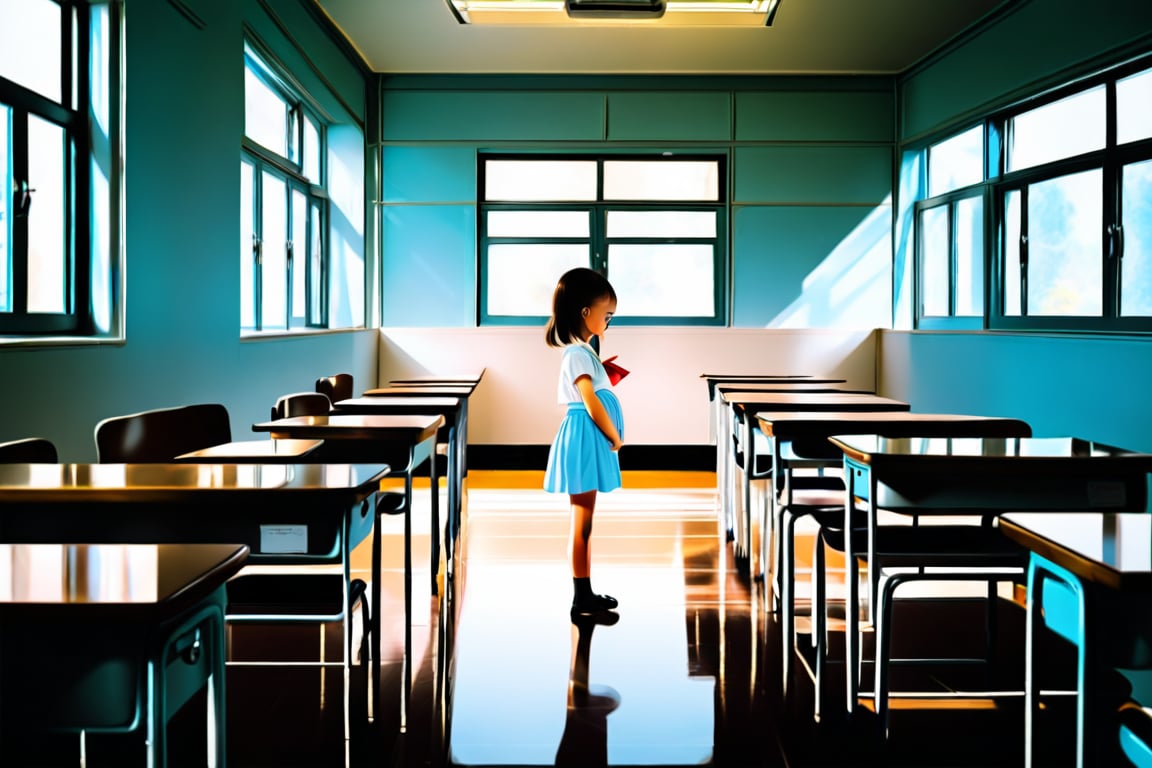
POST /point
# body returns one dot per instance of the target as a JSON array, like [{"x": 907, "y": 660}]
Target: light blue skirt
[{"x": 581, "y": 458}]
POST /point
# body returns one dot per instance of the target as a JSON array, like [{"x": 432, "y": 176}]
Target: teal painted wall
[
  {"x": 184, "y": 97},
  {"x": 1088, "y": 386},
  {"x": 1037, "y": 43},
  {"x": 815, "y": 143}
]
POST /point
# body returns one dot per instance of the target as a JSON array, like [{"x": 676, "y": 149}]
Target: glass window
[
  {"x": 1135, "y": 240},
  {"x": 30, "y": 52},
  {"x": 649, "y": 233},
  {"x": 1065, "y": 128},
  {"x": 59, "y": 163},
  {"x": 935, "y": 262},
  {"x": 1061, "y": 263},
  {"x": 1134, "y": 107},
  {"x": 539, "y": 180},
  {"x": 661, "y": 180},
  {"x": 969, "y": 243},
  {"x": 956, "y": 162},
  {"x": 283, "y": 255}
]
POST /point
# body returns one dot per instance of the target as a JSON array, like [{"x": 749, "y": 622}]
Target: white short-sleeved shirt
[{"x": 578, "y": 360}]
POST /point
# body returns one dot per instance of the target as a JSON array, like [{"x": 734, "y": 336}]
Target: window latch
[
  {"x": 256, "y": 249},
  {"x": 22, "y": 195}
]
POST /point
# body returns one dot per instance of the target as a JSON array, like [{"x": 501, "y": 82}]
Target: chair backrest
[
  {"x": 31, "y": 450},
  {"x": 338, "y": 387},
  {"x": 301, "y": 404},
  {"x": 162, "y": 434}
]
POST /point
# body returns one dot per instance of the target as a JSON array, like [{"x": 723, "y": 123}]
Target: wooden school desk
[
  {"x": 1103, "y": 561},
  {"x": 287, "y": 514},
  {"x": 452, "y": 409},
  {"x": 744, "y": 406},
  {"x": 376, "y": 437},
  {"x": 104, "y": 638},
  {"x": 978, "y": 476},
  {"x": 800, "y": 439}
]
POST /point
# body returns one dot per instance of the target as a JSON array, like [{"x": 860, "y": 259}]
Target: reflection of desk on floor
[
  {"x": 1089, "y": 580},
  {"x": 111, "y": 638}
]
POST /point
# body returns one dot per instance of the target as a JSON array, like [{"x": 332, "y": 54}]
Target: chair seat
[
  {"x": 1135, "y": 723},
  {"x": 941, "y": 545}
]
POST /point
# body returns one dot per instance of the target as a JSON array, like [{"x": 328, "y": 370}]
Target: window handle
[
  {"x": 23, "y": 199},
  {"x": 1115, "y": 241},
  {"x": 257, "y": 249}
]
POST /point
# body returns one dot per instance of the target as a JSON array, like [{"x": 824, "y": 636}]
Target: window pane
[
  {"x": 47, "y": 249},
  {"x": 311, "y": 150},
  {"x": 1062, "y": 129},
  {"x": 661, "y": 180},
  {"x": 30, "y": 45},
  {"x": 299, "y": 255},
  {"x": 316, "y": 269},
  {"x": 969, "y": 229},
  {"x": 247, "y": 236},
  {"x": 1065, "y": 267},
  {"x": 1136, "y": 268},
  {"x": 539, "y": 180},
  {"x": 521, "y": 278},
  {"x": 539, "y": 224},
  {"x": 956, "y": 162},
  {"x": 265, "y": 114},
  {"x": 661, "y": 224},
  {"x": 934, "y": 283},
  {"x": 5, "y": 210},
  {"x": 1134, "y": 107},
  {"x": 663, "y": 280},
  {"x": 1012, "y": 273},
  {"x": 274, "y": 263}
]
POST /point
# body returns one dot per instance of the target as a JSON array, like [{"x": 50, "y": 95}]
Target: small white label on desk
[{"x": 283, "y": 538}]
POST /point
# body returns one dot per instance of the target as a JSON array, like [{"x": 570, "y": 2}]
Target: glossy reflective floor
[{"x": 686, "y": 672}]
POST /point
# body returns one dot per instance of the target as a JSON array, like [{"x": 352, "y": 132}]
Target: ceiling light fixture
[{"x": 660, "y": 13}]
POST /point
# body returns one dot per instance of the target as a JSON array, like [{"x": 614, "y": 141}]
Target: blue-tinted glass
[
  {"x": 1065, "y": 267},
  {"x": 1065, "y": 128},
  {"x": 956, "y": 162},
  {"x": 1136, "y": 268}
]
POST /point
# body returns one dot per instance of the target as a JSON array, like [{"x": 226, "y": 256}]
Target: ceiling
[{"x": 833, "y": 37}]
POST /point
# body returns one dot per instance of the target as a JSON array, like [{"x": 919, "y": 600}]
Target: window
[
  {"x": 1075, "y": 217},
  {"x": 283, "y": 258},
  {"x": 1041, "y": 217},
  {"x": 950, "y": 234},
  {"x": 56, "y": 266},
  {"x": 654, "y": 225}
]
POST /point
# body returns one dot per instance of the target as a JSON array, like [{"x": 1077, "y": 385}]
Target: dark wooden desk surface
[
  {"x": 117, "y": 582},
  {"x": 408, "y": 429},
  {"x": 256, "y": 451},
  {"x": 1112, "y": 549}
]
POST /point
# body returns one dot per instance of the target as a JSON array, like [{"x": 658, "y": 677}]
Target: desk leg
[
  {"x": 455, "y": 491},
  {"x": 851, "y": 596},
  {"x": 434, "y": 532},
  {"x": 745, "y": 549}
]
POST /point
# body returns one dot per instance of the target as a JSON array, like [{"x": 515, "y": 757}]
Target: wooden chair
[
  {"x": 337, "y": 387},
  {"x": 301, "y": 404},
  {"x": 161, "y": 434},
  {"x": 30, "y": 450}
]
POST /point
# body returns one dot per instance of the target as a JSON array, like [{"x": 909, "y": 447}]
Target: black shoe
[{"x": 594, "y": 603}]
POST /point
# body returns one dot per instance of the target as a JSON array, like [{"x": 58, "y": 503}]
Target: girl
[{"x": 583, "y": 458}]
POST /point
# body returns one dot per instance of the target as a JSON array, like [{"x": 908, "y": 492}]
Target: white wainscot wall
[{"x": 664, "y": 399}]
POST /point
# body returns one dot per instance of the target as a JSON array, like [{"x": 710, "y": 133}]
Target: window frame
[
  {"x": 598, "y": 240},
  {"x": 291, "y": 171},
  {"x": 78, "y": 318},
  {"x": 997, "y": 186}
]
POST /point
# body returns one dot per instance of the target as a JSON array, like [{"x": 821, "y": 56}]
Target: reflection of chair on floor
[
  {"x": 30, "y": 450},
  {"x": 337, "y": 387},
  {"x": 288, "y": 587}
]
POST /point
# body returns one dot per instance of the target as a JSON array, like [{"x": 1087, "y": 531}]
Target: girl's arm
[{"x": 597, "y": 411}]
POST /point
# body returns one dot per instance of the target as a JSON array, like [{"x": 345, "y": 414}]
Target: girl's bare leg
[{"x": 580, "y": 556}]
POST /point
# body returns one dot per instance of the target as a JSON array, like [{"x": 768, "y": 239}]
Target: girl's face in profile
[{"x": 598, "y": 316}]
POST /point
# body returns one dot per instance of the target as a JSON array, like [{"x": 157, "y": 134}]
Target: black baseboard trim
[{"x": 684, "y": 458}]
